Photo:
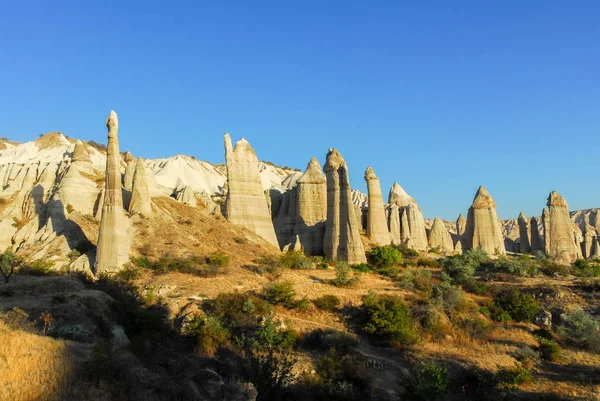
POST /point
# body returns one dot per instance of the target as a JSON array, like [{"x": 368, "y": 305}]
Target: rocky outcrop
[
  {"x": 394, "y": 223},
  {"x": 561, "y": 244},
  {"x": 461, "y": 225},
  {"x": 412, "y": 223},
  {"x": 377, "y": 229},
  {"x": 312, "y": 209},
  {"x": 439, "y": 237},
  {"x": 129, "y": 171},
  {"x": 589, "y": 242},
  {"x": 113, "y": 241},
  {"x": 536, "y": 239},
  {"x": 342, "y": 236},
  {"x": 187, "y": 197},
  {"x": 483, "y": 228},
  {"x": 546, "y": 230},
  {"x": 524, "y": 233},
  {"x": 140, "y": 196},
  {"x": 246, "y": 204}
]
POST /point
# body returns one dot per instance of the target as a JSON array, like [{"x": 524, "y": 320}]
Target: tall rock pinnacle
[
  {"x": 377, "y": 229},
  {"x": 140, "y": 196},
  {"x": 312, "y": 209},
  {"x": 246, "y": 204},
  {"x": 113, "y": 240},
  {"x": 560, "y": 242},
  {"x": 342, "y": 234},
  {"x": 129, "y": 171},
  {"x": 524, "y": 233},
  {"x": 439, "y": 237},
  {"x": 483, "y": 228}
]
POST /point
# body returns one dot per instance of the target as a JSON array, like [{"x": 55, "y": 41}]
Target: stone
[
  {"x": 140, "y": 196},
  {"x": 246, "y": 204},
  {"x": 342, "y": 236},
  {"x": 312, "y": 209},
  {"x": 546, "y": 230},
  {"x": 458, "y": 248},
  {"x": 483, "y": 229},
  {"x": 113, "y": 240},
  {"x": 536, "y": 240},
  {"x": 187, "y": 197},
  {"x": 399, "y": 196},
  {"x": 524, "y": 233},
  {"x": 461, "y": 225},
  {"x": 394, "y": 223},
  {"x": 561, "y": 244},
  {"x": 412, "y": 223},
  {"x": 377, "y": 229},
  {"x": 589, "y": 242},
  {"x": 439, "y": 237},
  {"x": 129, "y": 171}
]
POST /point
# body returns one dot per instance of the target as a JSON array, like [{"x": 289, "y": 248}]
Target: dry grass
[
  {"x": 49, "y": 140},
  {"x": 38, "y": 367}
]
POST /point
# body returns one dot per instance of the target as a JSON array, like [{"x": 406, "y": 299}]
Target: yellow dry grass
[{"x": 34, "y": 367}]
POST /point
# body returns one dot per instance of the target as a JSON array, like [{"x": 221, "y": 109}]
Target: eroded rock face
[
  {"x": 536, "y": 239},
  {"x": 524, "y": 233},
  {"x": 113, "y": 240},
  {"x": 483, "y": 228},
  {"x": 246, "y": 204},
  {"x": 412, "y": 223},
  {"x": 394, "y": 223},
  {"x": 589, "y": 242},
  {"x": 187, "y": 197},
  {"x": 561, "y": 243},
  {"x": 439, "y": 237},
  {"x": 546, "y": 230},
  {"x": 312, "y": 209},
  {"x": 342, "y": 236},
  {"x": 377, "y": 229},
  {"x": 461, "y": 225},
  {"x": 129, "y": 171},
  {"x": 140, "y": 196}
]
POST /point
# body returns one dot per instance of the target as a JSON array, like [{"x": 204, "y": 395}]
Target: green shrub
[
  {"x": 281, "y": 293},
  {"x": 328, "y": 303},
  {"x": 526, "y": 356},
  {"x": 344, "y": 276},
  {"x": 514, "y": 304},
  {"x": 73, "y": 255},
  {"x": 212, "y": 336},
  {"x": 38, "y": 267},
  {"x": 363, "y": 268},
  {"x": 461, "y": 267},
  {"x": 319, "y": 262},
  {"x": 295, "y": 260},
  {"x": 431, "y": 383},
  {"x": 522, "y": 266},
  {"x": 417, "y": 279},
  {"x": 426, "y": 262},
  {"x": 267, "y": 264},
  {"x": 553, "y": 269},
  {"x": 549, "y": 350},
  {"x": 9, "y": 261},
  {"x": 406, "y": 251},
  {"x": 128, "y": 274},
  {"x": 270, "y": 335},
  {"x": 474, "y": 286},
  {"x": 586, "y": 268},
  {"x": 220, "y": 259},
  {"x": 142, "y": 261},
  {"x": 237, "y": 308},
  {"x": 388, "y": 319},
  {"x": 324, "y": 339},
  {"x": 329, "y": 366},
  {"x": 582, "y": 329},
  {"x": 451, "y": 299},
  {"x": 513, "y": 377},
  {"x": 386, "y": 256}
]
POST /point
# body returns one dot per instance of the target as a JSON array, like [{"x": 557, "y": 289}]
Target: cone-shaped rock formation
[
  {"x": 342, "y": 237},
  {"x": 246, "y": 204},
  {"x": 129, "y": 171},
  {"x": 439, "y": 237},
  {"x": 524, "y": 233},
  {"x": 140, "y": 196},
  {"x": 483, "y": 229},
  {"x": 113, "y": 240},
  {"x": 461, "y": 225},
  {"x": 377, "y": 229},
  {"x": 561, "y": 243}
]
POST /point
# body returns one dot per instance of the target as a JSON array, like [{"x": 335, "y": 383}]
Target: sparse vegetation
[
  {"x": 344, "y": 275},
  {"x": 514, "y": 305},
  {"x": 202, "y": 266},
  {"x": 328, "y": 303},
  {"x": 388, "y": 319},
  {"x": 9, "y": 261},
  {"x": 582, "y": 329}
]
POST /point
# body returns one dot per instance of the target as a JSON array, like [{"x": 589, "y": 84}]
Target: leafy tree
[{"x": 8, "y": 262}]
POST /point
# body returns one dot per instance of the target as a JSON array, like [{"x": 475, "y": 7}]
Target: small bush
[
  {"x": 267, "y": 264},
  {"x": 212, "y": 336},
  {"x": 586, "y": 268},
  {"x": 70, "y": 208},
  {"x": 128, "y": 274},
  {"x": 451, "y": 299},
  {"x": 417, "y": 279},
  {"x": 343, "y": 273},
  {"x": 426, "y": 262},
  {"x": 363, "y": 268},
  {"x": 281, "y": 293},
  {"x": 549, "y": 350},
  {"x": 73, "y": 255},
  {"x": 269, "y": 335},
  {"x": 431, "y": 383},
  {"x": 38, "y": 267},
  {"x": 386, "y": 256},
  {"x": 16, "y": 319},
  {"x": 328, "y": 303},
  {"x": 582, "y": 329},
  {"x": 220, "y": 259},
  {"x": 324, "y": 339},
  {"x": 329, "y": 367},
  {"x": 406, "y": 251},
  {"x": 522, "y": 266},
  {"x": 195, "y": 265},
  {"x": 238, "y": 308},
  {"x": 474, "y": 286},
  {"x": 388, "y": 319},
  {"x": 515, "y": 305},
  {"x": 461, "y": 267},
  {"x": 526, "y": 356},
  {"x": 294, "y": 260},
  {"x": 554, "y": 270},
  {"x": 513, "y": 377}
]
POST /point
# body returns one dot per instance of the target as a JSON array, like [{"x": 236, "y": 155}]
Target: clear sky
[{"x": 441, "y": 96}]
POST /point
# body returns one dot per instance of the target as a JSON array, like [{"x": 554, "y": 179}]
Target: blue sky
[{"x": 440, "y": 96}]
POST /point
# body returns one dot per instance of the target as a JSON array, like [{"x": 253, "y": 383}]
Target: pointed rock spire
[
  {"x": 589, "y": 242},
  {"x": 561, "y": 246},
  {"x": 399, "y": 196},
  {"x": 246, "y": 204},
  {"x": 129, "y": 171},
  {"x": 342, "y": 236},
  {"x": 377, "y": 229},
  {"x": 524, "y": 233},
  {"x": 461, "y": 224},
  {"x": 140, "y": 196},
  {"x": 394, "y": 224},
  {"x": 536, "y": 239},
  {"x": 483, "y": 229},
  {"x": 113, "y": 240},
  {"x": 439, "y": 237},
  {"x": 312, "y": 209}
]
